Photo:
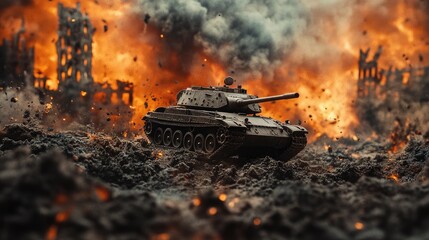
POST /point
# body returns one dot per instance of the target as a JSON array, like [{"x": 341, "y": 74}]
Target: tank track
[
  {"x": 233, "y": 139},
  {"x": 232, "y": 144},
  {"x": 298, "y": 143}
]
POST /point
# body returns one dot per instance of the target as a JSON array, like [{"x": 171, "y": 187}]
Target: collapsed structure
[
  {"x": 77, "y": 94},
  {"x": 410, "y": 83},
  {"x": 16, "y": 61},
  {"x": 394, "y": 100}
]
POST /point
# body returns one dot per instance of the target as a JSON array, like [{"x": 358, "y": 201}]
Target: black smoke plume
[{"x": 246, "y": 36}]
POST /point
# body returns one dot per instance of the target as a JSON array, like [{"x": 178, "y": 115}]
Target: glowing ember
[
  {"x": 162, "y": 236},
  {"x": 223, "y": 197},
  {"x": 83, "y": 93},
  {"x": 158, "y": 154},
  {"x": 48, "y": 107},
  {"x": 359, "y": 225},
  {"x": 61, "y": 199},
  {"x": 61, "y": 217},
  {"x": 394, "y": 177},
  {"x": 196, "y": 202},
  {"x": 233, "y": 202},
  {"x": 212, "y": 211},
  {"x": 256, "y": 221},
  {"x": 102, "y": 193},
  {"x": 52, "y": 233}
]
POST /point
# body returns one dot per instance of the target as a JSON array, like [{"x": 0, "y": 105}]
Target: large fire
[{"x": 321, "y": 64}]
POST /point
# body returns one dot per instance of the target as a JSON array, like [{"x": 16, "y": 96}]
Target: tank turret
[{"x": 225, "y": 99}]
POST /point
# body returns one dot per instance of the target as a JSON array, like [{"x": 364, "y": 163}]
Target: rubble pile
[{"x": 76, "y": 185}]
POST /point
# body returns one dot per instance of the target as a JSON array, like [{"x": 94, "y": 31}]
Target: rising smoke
[
  {"x": 249, "y": 36},
  {"x": 253, "y": 36}
]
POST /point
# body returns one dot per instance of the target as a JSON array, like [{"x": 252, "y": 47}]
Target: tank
[{"x": 221, "y": 122}]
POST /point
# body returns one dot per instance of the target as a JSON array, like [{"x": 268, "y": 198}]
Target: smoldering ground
[{"x": 89, "y": 186}]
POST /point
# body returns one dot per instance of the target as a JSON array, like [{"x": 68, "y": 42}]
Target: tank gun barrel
[{"x": 285, "y": 96}]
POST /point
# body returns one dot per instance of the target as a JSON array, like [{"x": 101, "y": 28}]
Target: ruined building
[
  {"x": 74, "y": 52},
  {"x": 369, "y": 77},
  {"x": 16, "y": 61},
  {"x": 74, "y": 49},
  {"x": 79, "y": 96},
  {"x": 76, "y": 86},
  {"x": 410, "y": 83}
]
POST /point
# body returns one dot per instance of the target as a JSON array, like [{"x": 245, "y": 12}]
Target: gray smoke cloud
[{"x": 251, "y": 36}]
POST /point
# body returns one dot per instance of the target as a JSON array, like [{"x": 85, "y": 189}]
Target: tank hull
[{"x": 221, "y": 134}]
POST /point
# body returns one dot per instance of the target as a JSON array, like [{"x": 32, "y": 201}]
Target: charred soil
[{"x": 75, "y": 185}]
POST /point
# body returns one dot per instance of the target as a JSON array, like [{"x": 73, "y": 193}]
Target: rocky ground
[{"x": 76, "y": 185}]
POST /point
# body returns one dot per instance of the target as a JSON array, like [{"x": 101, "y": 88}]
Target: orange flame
[{"x": 132, "y": 51}]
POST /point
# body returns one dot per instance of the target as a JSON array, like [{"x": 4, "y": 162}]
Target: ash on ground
[{"x": 76, "y": 185}]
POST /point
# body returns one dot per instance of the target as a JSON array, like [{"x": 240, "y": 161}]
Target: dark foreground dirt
[{"x": 75, "y": 185}]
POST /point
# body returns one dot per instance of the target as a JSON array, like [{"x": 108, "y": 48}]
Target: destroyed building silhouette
[
  {"x": 16, "y": 61},
  {"x": 78, "y": 95},
  {"x": 409, "y": 83}
]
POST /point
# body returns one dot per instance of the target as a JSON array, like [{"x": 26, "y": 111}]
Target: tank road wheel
[
  {"x": 210, "y": 143},
  {"x": 148, "y": 128},
  {"x": 158, "y": 136},
  {"x": 188, "y": 141},
  {"x": 177, "y": 138},
  {"x": 168, "y": 136},
  {"x": 221, "y": 135},
  {"x": 199, "y": 143}
]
